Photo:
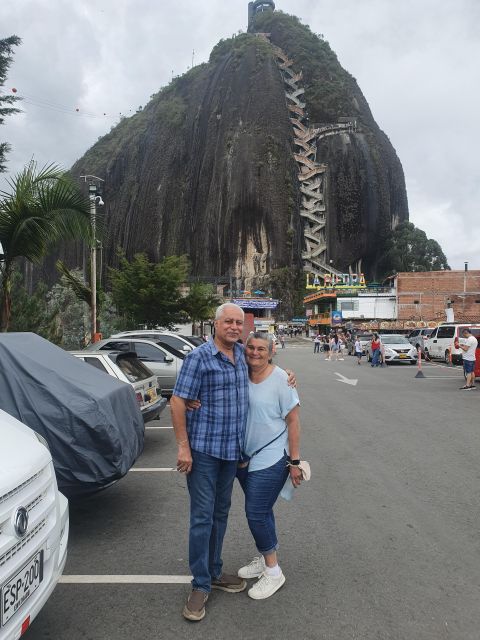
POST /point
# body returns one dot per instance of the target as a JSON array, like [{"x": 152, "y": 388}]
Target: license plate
[
  {"x": 403, "y": 355},
  {"x": 21, "y": 586},
  {"x": 152, "y": 394}
]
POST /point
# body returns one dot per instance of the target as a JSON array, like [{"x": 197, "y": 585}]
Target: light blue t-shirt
[{"x": 269, "y": 402}]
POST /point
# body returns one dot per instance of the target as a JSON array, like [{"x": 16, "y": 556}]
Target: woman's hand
[
  {"x": 184, "y": 458},
  {"x": 192, "y": 404},
  {"x": 295, "y": 476},
  {"x": 292, "y": 378}
]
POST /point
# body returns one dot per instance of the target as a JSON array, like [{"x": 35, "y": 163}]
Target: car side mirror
[{"x": 168, "y": 359}]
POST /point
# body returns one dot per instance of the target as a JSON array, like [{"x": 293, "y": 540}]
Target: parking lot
[{"x": 382, "y": 543}]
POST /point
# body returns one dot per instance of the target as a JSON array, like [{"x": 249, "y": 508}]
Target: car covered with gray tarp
[{"x": 91, "y": 421}]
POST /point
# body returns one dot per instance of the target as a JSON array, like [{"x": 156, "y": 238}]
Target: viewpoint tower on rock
[{"x": 258, "y": 7}]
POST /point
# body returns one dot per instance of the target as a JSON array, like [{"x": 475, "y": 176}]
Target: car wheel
[
  {"x": 447, "y": 356},
  {"x": 368, "y": 357}
]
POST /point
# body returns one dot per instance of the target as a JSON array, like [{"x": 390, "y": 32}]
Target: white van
[
  {"x": 440, "y": 342},
  {"x": 33, "y": 527}
]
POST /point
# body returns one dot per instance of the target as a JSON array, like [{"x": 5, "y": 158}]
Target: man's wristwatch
[{"x": 293, "y": 463}]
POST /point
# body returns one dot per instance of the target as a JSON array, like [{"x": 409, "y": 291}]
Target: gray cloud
[{"x": 416, "y": 63}]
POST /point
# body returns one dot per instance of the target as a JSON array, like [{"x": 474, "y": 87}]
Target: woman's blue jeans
[
  {"x": 210, "y": 485},
  {"x": 261, "y": 490},
  {"x": 375, "y": 357}
]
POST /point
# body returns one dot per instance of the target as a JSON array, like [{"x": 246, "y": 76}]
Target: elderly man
[
  {"x": 469, "y": 348},
  {"x": 209, "y": 442}
]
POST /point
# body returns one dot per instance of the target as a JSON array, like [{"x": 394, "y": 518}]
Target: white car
[
  {"x": 179, "y": 342},
  {"x": 397, "y": 349},
  {"x": 33, "y": 527},
  {"x": 127, "y": 367}
]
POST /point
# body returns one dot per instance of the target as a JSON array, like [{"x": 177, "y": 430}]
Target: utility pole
[{"x": 94, "y": 199}]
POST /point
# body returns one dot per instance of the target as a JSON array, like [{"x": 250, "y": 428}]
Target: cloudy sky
[{"x": 416, "y": 61}]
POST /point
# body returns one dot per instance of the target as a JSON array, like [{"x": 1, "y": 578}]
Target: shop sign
[
  {"x": 340, "y": 281},
  {"x": 337, "y": 318},
  {"x": 249, "y": 303}
]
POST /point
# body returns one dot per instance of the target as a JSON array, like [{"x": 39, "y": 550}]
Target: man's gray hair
[
  {"x": 261, "y": 335},
  {"x": 223, "y": 307}
]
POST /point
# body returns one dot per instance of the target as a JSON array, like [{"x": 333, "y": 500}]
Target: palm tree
[{"x": 43, "y": 209}]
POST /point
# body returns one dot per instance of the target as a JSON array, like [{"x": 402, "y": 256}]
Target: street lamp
[{"x": 94, "y": 200}]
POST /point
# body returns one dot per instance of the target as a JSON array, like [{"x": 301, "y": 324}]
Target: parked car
[
  {"x": 417, "y": 338},
  {"x": 33, "y": 527},
  {"x": 440, "y": 344},
  {"x": 173, "y": 339},
  {"x": 163, "y": 364},
  {"x": 365, "y": 339},
  {"x": 397, "y": 349},
  {"x": 125, "y": 366},
  {"x": 91, "y": 421},
  {"x": 196, "y": 341}
]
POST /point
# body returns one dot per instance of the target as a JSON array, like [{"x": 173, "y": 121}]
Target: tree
[
  {"x": 44, "y": 208},
  {"x": 288, "y": 285},
  {"x": 148, "y": 293},
  {"x": 6, "y": 50},
  {"x": 200, "y": 304},
  {"x": 409, "y": 249},
  {"x": 33, "y": 312}
]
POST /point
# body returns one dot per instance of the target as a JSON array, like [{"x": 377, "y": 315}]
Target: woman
[
  {"x": 272, "y": 448},
  {"x": 375, "y": 349},
  {"x": 358, "y": 350},
  {"x": 335, "y": 347}
]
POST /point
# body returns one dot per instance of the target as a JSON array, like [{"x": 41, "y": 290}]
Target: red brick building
[{"x": 424, "y": 296}]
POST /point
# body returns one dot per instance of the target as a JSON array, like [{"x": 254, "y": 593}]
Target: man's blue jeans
[
  {"x": 262, "y": 489},
  {"x": 375, "y": 357},
  {"x": 210, "y": 486}
]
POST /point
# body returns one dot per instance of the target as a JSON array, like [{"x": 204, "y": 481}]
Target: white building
[{"x": 369, "y": 305}]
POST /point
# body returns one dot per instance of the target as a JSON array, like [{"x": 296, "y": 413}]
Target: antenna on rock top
[{"x": 258, "y": 6}]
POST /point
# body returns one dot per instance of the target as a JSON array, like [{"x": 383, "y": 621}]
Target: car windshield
[
  {"x": 131, "y": 367},
  {"x": 394, "y": 340},
  {"x": 170, "y": 349}
]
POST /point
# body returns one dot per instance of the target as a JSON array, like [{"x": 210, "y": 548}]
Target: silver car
[
  {"x": 127, "y": 367},
  {"x": 397, "y": 349},
  {"x": 175, "y": 340},
  {"x": 163, "y": 364},
  {"x": 417, "y": 337}
]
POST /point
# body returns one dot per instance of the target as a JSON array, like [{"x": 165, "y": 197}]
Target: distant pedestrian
[
  {"x": 316, "y": 343},
  {"x": 375, "y": 345},
  {"x": 358, "y": 350},
  {"x": 282, "y": 341},
  {"x": 334, "y": 347},
  {"x": 469, "y": 348},
  {"x": 326, "y": 348}
]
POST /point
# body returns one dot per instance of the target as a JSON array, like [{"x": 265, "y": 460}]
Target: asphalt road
[{"x": 383, "y": 543}]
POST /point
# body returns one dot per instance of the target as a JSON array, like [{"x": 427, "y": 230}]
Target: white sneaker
[
  {"x": 253, "y": 569},
  {"x": 266, "y": 586}
]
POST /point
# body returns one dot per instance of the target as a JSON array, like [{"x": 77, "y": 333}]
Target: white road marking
[
  {"x": 153, "y": 469},
  {"x": 158, "y": 427},
  {"x": 140, "y": 579},
  {"x": 443, "y": 377},
  {"x": 345, "y": 380}
]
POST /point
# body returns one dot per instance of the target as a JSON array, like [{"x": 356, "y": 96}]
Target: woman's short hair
[{"x": 261, "y": 335}]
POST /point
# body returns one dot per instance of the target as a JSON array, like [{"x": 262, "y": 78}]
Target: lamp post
[{"x": 94, "y": 200}]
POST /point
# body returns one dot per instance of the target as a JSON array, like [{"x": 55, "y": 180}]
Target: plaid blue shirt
[{"x": 218, "y": 427}]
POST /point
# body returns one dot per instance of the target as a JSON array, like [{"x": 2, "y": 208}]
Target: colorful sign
[
  {"x": 337, "y": 318},
  {"x": 332, "y": 281},
  {"x": 250, "y": 303}
]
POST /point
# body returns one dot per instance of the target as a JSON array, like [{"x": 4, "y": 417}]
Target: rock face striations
[{"x": 213, "y": 165}]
